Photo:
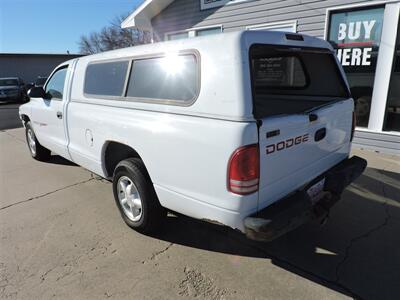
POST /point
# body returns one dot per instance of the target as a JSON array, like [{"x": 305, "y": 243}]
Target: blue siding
[
  {"x": 309, "y": 14},
  {"x": 186, "y": 14}
]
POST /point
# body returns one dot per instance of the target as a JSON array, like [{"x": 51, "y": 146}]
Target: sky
[{"x": 55, "y": 26}]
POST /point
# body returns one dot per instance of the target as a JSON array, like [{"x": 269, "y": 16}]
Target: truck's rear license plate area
[{"x": 315, "y": 191}]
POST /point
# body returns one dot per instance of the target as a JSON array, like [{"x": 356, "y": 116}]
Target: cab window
[{"x": 55, "y": 86}]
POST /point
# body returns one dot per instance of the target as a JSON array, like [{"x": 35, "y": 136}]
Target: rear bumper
[{"x": 297, "y": 209}]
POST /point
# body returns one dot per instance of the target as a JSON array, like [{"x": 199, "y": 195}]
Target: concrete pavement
[
  {"x": 61, "y": 237},
  {"x": 9, "y": 116}
]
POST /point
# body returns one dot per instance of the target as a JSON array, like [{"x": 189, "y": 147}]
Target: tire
[
  {"x": 136, "y": 198},
  {"x": 37, "y": 151}
]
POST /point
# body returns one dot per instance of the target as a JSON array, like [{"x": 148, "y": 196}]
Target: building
[
  {"x": 364, "y": 33},
  {"x": 30, "y": 66}
]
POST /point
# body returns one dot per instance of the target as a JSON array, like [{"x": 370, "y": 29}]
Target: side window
[
  {"x": 106, "y": 79},
  {"x": 55, "y": 86},
  {"x": 173, "y": 77}
]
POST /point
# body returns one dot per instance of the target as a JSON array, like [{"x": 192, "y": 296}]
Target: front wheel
[
  {"x": 37, "y": 151},
  {"x": 136, "y": 198}
]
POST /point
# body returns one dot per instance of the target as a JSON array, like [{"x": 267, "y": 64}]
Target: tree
[{"x": 112, "y": 37}]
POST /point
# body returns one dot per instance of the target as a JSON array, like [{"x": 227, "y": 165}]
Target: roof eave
[{"x": 141, "y": 17}]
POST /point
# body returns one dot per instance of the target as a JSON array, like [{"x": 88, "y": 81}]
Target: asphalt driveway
[{"x": 61, "y": 237}]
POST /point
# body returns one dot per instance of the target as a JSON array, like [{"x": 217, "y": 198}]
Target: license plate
[{"x": 315, "y": 191}]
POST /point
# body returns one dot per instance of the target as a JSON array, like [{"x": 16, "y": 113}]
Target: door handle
[{"x": 59, "y": 114}]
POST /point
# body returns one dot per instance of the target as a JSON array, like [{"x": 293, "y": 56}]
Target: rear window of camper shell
[{"x": 293, "y": 80}]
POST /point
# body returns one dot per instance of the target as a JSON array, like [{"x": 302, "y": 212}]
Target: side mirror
[
  {"x": 28, "y": 86},
  {"x": 37, "y": 92}
]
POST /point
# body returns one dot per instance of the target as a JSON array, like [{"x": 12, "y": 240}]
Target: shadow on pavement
[
  {"x": 58, "y": 160},
  {"x": 356, "y": 253}
]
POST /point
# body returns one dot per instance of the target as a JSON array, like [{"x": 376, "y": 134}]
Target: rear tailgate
[
  {"x": 302, "y": 150},
  {"x": 305, "y": 114}
]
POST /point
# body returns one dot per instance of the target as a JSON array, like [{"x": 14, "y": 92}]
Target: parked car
[
  {"x": 254, "y": 135},
  {"x": 12, "y": 89}
]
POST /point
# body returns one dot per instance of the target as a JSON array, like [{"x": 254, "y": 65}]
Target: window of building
[
  {"x": 392, "y": 118},
  {"x": 173, "y": 77},
  {"x": 106, "y": 79},
  {"x": 55, "y": 86},
  {"x": 202, "y": 31},
  {"x": 356, "y": 35},
  {"x": 177, "y": 36},
  {"x": 208, "y": 31},
  {"x": 289, "y": 26}
]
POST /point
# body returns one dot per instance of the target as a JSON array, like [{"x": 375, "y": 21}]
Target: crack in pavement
[
  {"x": 299, "y": 270},
  {"x": 92, "y": 177},
  {"x": 43, "y": 276},
  {"x": 158, "y": 253},
  {"x": 48, "y": 193},
  {"x": 289, "y": 264},
  {"x": 364, "y": 235},
  {"x": 161, "y": 251},
  {"x": 13, "y": 136}
]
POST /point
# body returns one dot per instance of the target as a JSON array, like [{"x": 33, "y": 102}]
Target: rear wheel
[
  {"x": 37, "y": 151},
  {"x": 135, "y": 196}
]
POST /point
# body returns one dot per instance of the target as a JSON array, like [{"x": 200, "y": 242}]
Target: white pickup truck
[{"x": 251, "y": 130}]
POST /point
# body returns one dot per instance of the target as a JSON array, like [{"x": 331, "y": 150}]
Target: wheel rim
[
  {"x": 31, "y": 141},
  {"x": 129, "y": 198}
]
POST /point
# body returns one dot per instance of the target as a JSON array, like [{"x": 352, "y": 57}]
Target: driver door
[{"x": 49, "y": 121}]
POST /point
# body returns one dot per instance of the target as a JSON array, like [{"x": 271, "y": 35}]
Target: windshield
[
  {"x": 8, "y": 82},
  {"x": 288, "y": 80}
]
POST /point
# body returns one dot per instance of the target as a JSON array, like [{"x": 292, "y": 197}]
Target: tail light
[
  {"x": 244, "y": 170},
  {"x": 353, "y": 126}
]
